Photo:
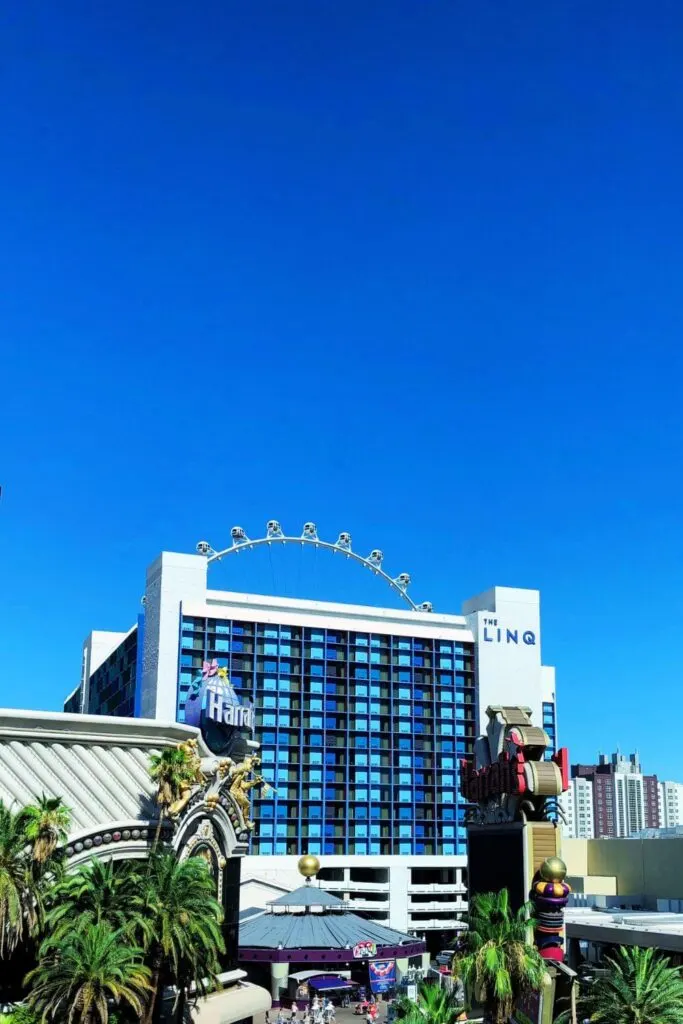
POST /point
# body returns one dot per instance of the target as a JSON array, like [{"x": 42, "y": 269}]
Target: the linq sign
[{"x": 495, "y": 634}]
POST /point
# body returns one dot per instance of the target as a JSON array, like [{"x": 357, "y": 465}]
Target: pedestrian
[{"x": 295, "y": 1010}]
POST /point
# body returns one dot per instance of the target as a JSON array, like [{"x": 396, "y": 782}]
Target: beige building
[{"x": 625, "y": 892}]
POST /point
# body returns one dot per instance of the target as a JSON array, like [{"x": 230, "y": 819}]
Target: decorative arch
[{"x": 309, "y": 535}]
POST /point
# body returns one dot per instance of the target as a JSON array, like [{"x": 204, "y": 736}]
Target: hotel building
[{"x": 363, "y": 713}]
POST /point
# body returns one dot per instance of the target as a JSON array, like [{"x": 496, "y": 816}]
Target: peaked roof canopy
[{"x": 308, "y": 896}]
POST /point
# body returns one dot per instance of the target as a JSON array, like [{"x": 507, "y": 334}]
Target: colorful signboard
[
  {"x": 213, "y": 706},
  {"x": 364, "y": 949},
  {"x": 382, "y": 975}
]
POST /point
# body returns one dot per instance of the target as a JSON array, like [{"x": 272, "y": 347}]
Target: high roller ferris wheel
[{"x": 309, "y": 536}]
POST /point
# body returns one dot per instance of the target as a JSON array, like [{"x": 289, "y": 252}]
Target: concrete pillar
[
  {"x": 401, "y": 967},
  {"x": 279, "y": 976},
  {"x": 426, "y": 960}
]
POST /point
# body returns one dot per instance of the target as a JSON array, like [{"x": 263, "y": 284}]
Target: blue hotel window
[
  {"x": 404, "y": 830},
  {"x": 270, "y": 666},
  {"x": 360, "y": 673},
  {"x": 418, "y": 660},
  {"x": 362, "y": 741},
  {"x": 360, "y": 811},
  {"x": 445, "y": 663},
  {"x": 361, "y": 656},
  {"x": 270, "y": 631},
  {"x": 316, "y": 722},
  {"x": 269, "y": 719},
  {"x": 403, "y": 645},
  {"x": 404, "y": 796},
  {"x": 361, "y": 707},
  {"x": 405, "y": 812},
  {"x": 361, "y": 723},
  {"x": 270, "y": 649},
  {"x": 404, "y": 659},
  {"x": 404, "y": 677},
  {"x": 361, "y": 830},
  {"x": 404, "y": 726},
  {"x": 317, "y": 670}
]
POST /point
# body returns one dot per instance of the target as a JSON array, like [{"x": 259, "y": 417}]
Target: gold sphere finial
[
  {"x": 308, "y": 865},
  {"x": 553, "y": 869}
]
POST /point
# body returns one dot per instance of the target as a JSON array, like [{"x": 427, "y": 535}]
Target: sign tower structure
[{"x": 513, "y": 839}]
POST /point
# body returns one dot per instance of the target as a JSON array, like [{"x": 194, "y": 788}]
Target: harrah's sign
[
  {"x": 218, "y": 709},
  {"x": 505, "y": 776}
]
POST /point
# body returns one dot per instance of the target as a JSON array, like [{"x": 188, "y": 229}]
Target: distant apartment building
[
  {"x": 624, "y": 799},
  {"x": 670, "y": 804},
  {"x": 577, "y": 806}
]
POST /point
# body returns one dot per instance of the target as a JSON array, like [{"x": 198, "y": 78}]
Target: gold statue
[
  {"x": 241, "y": 785},
  {"x": 194, "y": 776}
]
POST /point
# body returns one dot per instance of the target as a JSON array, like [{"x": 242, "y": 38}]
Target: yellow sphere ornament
[
  {"x": 308, "y": 865},
  {"x": 553, "y": 869}
]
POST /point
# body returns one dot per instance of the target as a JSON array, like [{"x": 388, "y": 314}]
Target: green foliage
[
  {"x": 178, "y": 920},
  {"x": 45, "y": 825},
  {"x": 172, "y": 770},
  {"x": 640, "y": 987},
  {"x": 499, "y": 963},
  {"x": 20, "y": 1014},
  {"x": 97, "y": 891},
  {"x": 77, "y": 973},
  {"x": 435, "y": 1005},
  {"x": 28, "y": 861}
]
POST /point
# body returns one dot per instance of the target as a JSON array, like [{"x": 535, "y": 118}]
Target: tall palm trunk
[
  {"x": 154, "y": 994},
  {"x": 157, "y": 832},
  {"x": 180, "y": 1007}
]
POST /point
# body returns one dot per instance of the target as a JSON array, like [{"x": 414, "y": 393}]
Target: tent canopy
[{"x": 327, "y": 983}]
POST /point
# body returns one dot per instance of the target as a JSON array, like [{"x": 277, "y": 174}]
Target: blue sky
[{"x": 410, "y": 269}]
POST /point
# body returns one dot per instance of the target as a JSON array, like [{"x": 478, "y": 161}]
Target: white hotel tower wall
[
  {"x": 503, "y": 622},
  {"x": 502, "y": 625}
]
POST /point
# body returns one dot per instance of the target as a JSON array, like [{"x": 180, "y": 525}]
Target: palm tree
[
  {"x": 173, "y": 771},
  {"x": 178, "y": 919},
  {"x": 499, "y": 963},
  {"x": 435, "y": 1005},
  {"x": 45, "y": 825},
  {"x": 639, "y": 987},
  {"x": 20, "y": 895},
  {"x": 77, "y": 975},
  {"x": 101, "y": 890}
]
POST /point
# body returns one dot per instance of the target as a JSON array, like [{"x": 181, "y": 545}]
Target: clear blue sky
[{"x": 411, "y": 269}]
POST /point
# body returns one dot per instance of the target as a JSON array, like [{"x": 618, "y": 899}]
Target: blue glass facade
[
  {"x": 550, "y": 727},
  {"x": 361, "y": 734}
]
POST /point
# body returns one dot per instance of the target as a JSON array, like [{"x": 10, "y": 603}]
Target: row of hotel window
[
  {"x": 362, "y": 685},
  {"x": 405, "y": 760},
  {"x": 319, "y": 654},
  {"x": 274, "y": 632},
  {"x": 362, "y": 831},
  {"x": 266, "y": 847}
]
